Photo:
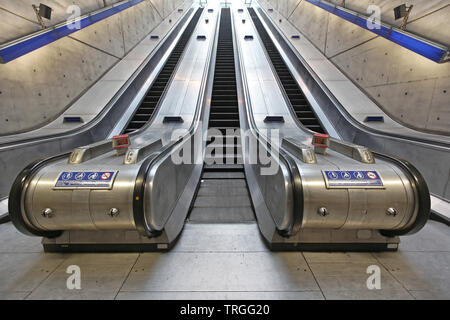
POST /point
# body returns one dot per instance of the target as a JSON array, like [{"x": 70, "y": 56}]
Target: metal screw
[
  {"x": 47, "y": 213},
  {"x": 113, "y": 212},
  {"x": 323, "y": 211},
  {"x": 391, "y": 212}
]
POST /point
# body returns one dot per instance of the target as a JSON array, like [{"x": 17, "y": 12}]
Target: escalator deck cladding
[
  {"x": 145, "y": 111},
  {"x": 299, "y": 103}
]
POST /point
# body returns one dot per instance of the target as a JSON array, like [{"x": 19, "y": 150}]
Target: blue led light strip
[
  {"x": 18, "y": 48},
  {"x": 433, "y": 51}
]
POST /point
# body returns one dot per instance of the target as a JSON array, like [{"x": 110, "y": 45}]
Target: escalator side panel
[
  {"x": 153, "y": 96},
  {"x": 297, "y": 99}
]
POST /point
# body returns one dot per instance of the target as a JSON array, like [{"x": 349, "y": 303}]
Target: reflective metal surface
[
  {"x": 323, "y": 208},
  {"x": 168, "y": 188},
  {"x": 429, "y": 153},
  {"x": 15, "y": 155},
  {"x": 293, "y": 199}
]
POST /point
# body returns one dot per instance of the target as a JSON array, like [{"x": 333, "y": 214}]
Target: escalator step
[
  {"x": 225, "y": 123},
  {"x": 145, "y": 111},
  {"x": 296, "y": 97},
  {"x": 223, "y": 115},
  {"x": 224, "y": 112}
]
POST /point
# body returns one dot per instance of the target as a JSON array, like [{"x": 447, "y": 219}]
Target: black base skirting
[
  {"x": 439, "y": 218},
  {"x": 327, "y": 247},
  {"x": 105, "y": 247},
  {"x": 4, "y": 218}
]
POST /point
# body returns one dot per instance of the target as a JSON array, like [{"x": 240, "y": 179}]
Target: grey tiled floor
[{"x": 227, "y": 261}]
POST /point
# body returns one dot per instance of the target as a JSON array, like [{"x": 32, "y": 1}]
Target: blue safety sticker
[
  {"x": 85, "y": 180},
  {"x": 352, "y": 179}
]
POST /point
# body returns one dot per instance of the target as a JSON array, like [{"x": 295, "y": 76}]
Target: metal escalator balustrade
[
  {"x": 147, "y": 107},
  {"x": 299, "y": 103}
]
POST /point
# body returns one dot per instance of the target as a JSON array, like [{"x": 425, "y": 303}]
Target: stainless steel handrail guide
[
  {"x": 301, "y": 151},
  {"x": 352, "y": 150},
  {"x": 135, "y": 155},
  {"x": 85, "y": 153}
]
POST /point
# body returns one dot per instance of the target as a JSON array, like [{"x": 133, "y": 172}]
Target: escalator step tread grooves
[
  {"x": 306, "y": 115},
  {"x": 145, "y": 111},
  {"x": 216, "y": 200},
  {"x": 224, "y": 112}
]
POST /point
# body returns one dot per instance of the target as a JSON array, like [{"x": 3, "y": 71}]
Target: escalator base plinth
[
  {"x": 332, "y": 247},
  {"x": 326, "y": 240},
  {"x": 104, "y": 247},
  {"x": 107, "y": 241}
]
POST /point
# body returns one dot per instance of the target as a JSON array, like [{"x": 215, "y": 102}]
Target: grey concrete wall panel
[
  {"x": 427, "y": 18},
  {"x": 313, "y": 22},
  {"x": 104, "y": 35},
  {"x": 137, "y": 23},
  {"x": 42, "y": 83},
  {"x": 23, "y": 10},
  {"x": 344, "y": 35},
  {"x": 14, "y": 158},
  {"x": 401, "y": 82},
  {"x": 165, "y": 7},
  {"x": 40, "y": 86},
  {"x": 408, "y": 87}
]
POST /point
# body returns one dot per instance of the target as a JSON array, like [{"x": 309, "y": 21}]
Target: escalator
[
  {"x": 146, "y": 192},
  {"x": 147, "y": 107},
  {"x": 298, "y": 101},
  {"x": 299, "y": 210},
  {"x": 223, "y": 195}
]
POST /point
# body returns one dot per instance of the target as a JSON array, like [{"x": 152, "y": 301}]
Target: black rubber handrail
[
  {"x": 15, "y": 197},
  {"x": 5, "y": 218},
  {"x": 298, "y": 197},
  {"x": 139, "y": 195},
  {"x": 424, "y": 201}
]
